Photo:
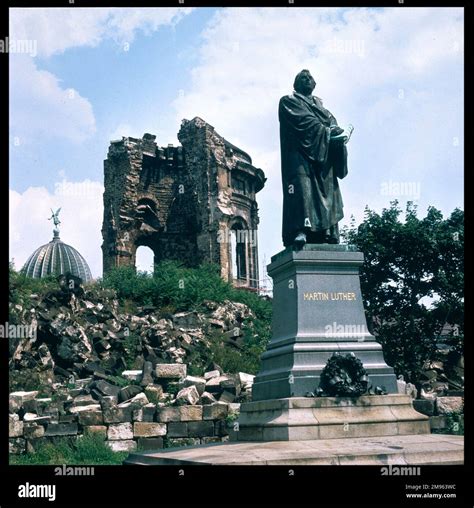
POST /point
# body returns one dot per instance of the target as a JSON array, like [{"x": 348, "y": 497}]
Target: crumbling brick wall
[{"x": 183, "y": 202}]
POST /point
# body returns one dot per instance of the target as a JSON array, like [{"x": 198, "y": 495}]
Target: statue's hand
[
  {"x": 345, "y": 134},
  {"x": 336, "y": 130},
  {"x": 339, "y": 137}
]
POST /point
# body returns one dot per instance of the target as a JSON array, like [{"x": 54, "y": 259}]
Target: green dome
[{"x": 56, "y": 258}]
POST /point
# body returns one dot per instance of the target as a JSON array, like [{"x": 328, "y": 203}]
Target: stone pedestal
[
  {"x": 307, "y": 418},
  {"x": 317, "y": 310}
]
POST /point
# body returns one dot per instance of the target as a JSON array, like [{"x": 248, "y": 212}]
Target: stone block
[
  {"x": 221, "y": 428},
  {"x": 33, "y": 431},
  {"x": 446, "y": 405},
  {"x": 200, "y": 429},
  {"x": 106, "y": 388},
  {"x": 246, "y": 380},
  {"x": 30, "y": 406},
  {"x": 170, "y": 370},
  {"x": 85, "y": 409},
  {"x": 198, "y": 382},
  {"x": 17, "y": 399},
  {"x": 147, "y": 376},
  {"x": 132, "y": 375},
  {"x": 438, "y": 422},
  {"x": 188, "y": 395},
  {"x": 120, "y": 432},
  {"x": 150, "y": 443},
  {"x": 15, "y": 426},
  {"x": 183, "y": 441},
  {"x": 230, "y": 385},
  {"x": 33, "y": 417},
  {"x": 100, "y": 430},
  {"x": 145, "y": 414},
  {"x": 216, "y": 411},
  {"x": 126, "y": 445},
  {"x": 424, "y": 406},
  {"x": 213, "y": 385},
  {"x": 92, "y": 417},
  {"x": 207, "y": 398},
  {"x": 154, "y": 393},
  {"x": 226, "y": 397},
  {"x": 169, "y": 414},
  {"x": 177, "y": 429},
  {"x": 149, "y": 429},
  {"x": 61, "y": 429},
  {"x": 211, "y": 374},
  {"x": 135, "y": 402},
  {"x": 210, "y": 439},
  {"x": 16, "y": 445},
  {"x": 190, "y": 413},
  {"x": 117, "y": 415},
  {"x": 83, "y": 400},
  {"x": 128, "y": 392}
]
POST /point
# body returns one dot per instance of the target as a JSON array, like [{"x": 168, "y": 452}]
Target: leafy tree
[{"x": 412, "y": 282}]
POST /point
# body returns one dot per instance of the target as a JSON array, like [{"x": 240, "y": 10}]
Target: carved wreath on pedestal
[{"x": 343, "y": 376}]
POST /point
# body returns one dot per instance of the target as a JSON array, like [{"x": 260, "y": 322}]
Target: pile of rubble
[
  {"x": 160, "y": 406},
  {"x": 87, "y": 366},
  {"x": 444, "y": 376},
  {"x": 86, "y": 335}
]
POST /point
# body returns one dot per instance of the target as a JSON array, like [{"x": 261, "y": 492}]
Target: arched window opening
[
  {"x": 145, "y": 259},
  {"x": 239, "y": 252}
]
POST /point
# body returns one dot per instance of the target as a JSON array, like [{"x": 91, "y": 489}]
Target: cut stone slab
[
  {"x": 188, "y": 395},
  {"x": 198, "y": 382},
  {"x": 148, "y": 429},
  {"x": 425, "y": 449},
  {"x": 17, "y": 399},
  {"x": 15, "y": 426},
  {"x": 132, "y": 375},
  {"x": 446, "y": 405},
  {"x": 120, "y": 431},
  {"x": 170, "y": 370},
  {"x": 211, "y": 374},
  {"x": 127, "y": 445},
  {"x": 308, "y": 418}
]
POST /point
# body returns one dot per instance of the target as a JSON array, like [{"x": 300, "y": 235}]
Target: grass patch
[{"x": 86, "y": 450}]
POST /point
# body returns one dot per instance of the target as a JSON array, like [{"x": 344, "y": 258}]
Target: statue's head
[{"x": 304, "y": 82}]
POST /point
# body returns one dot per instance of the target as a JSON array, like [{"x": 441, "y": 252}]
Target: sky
[{"x": 88, "y": 76}]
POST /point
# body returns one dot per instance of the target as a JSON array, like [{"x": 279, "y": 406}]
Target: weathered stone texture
[{"x": 182, "y": 202}]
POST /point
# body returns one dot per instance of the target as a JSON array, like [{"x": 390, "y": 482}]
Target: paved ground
[{"x": 421, "y": 449}]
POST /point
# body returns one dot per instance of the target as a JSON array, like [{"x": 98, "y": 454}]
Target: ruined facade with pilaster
[{"x": 192, "y": 203}]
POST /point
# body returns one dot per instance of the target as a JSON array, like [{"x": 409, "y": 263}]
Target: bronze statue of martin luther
[{"x": 313, "y": 157}]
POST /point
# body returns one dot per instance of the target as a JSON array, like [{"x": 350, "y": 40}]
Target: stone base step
[
  {"x": 305, "y": 418},
  {"x": 425, "y": 449}
]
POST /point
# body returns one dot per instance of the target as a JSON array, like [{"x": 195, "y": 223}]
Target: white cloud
[
  {"x": 57, "y": 30},
  {"x": 362, "y": 60},
  {"x": 39, "y": 105},
  {"x": 81, "y": 220}
]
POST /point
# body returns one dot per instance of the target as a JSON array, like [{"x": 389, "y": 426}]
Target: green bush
[
  {"x": 174, "y": 288},
  {"x": 86, "y": 450}
]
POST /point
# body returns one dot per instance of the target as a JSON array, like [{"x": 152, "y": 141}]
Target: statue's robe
[{"x": 310, "y": 166}]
